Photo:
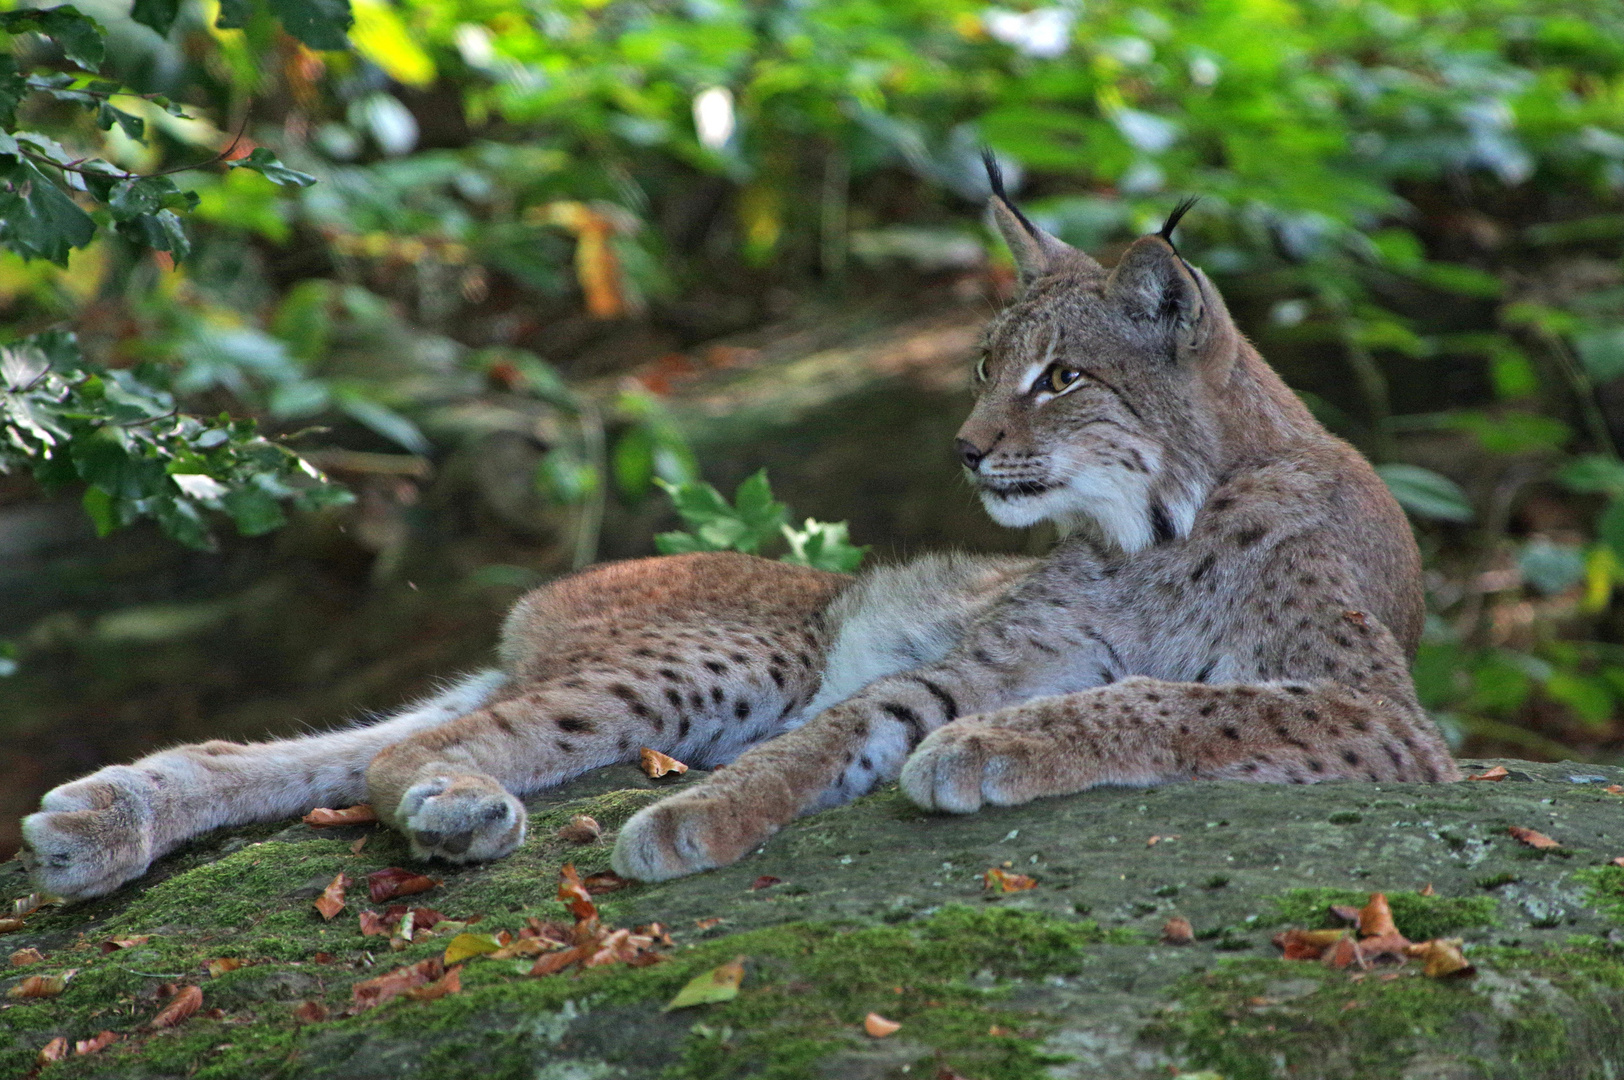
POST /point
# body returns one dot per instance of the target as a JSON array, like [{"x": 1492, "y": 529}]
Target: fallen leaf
[
  {"x": 359, "y": 814},
  {"x": 879, "y": 1027},
  {"x": 553, "y": 963},
  {"x": 392, "y": 882},
  {"x": 8, "y": 925},
  {"x": 1496, "y": 773},
  {"x": 525, "y": 948},
  {"x": 574, "y": 893},
  {"x": 1613, "y": 789},
  {"x": 184, "y": 1004},
  {"x": 24, "y": 957},
  {"x": 997, "y": 1031},
  {"x": 706, "y": 924},
  {"x": 323, "y": 958},
  {"x": 1533, "y": 839},
  {"x": 1154, "y": 840},
  {"x": 310, "y": 1012},
  {"x": 1307, "y": 944},
  {"x": 582, "y": 829},
  {"x": 465, "y": 945},
  {"x": 765, "y": 881},
  {"x": 449, "y": 983},
  {"x": 355, "y": 848},
  {"x": 1346, "y": 913},
  {"x": 656, "y": 764},
  {"x": 1443, "y": 959},
  {"x": 657, "y": 934},
  {"x": 1428, "y": 891},
  {"x": 97, "y": 1043},
  {"x": 374, "y": 925},
  {"x": 42, "y": 986},
  {"x": 1004, "y": 881},
  {"x": 27, "y": 905},
  {"x": 55, "y": 1050},
  {"x": 716, "y": 985},
  {"x": 1392, "y": 946},
  {"x": 112, "y": 945},
  {"x": 1619, "y": 861},
  {"x": 604, "y": 881},
  {"x": 1177, "y": 931},
  {"x": 331, "y": 900},
  {"x": 392, "y": 984},
  {"x": 1343, "y": 953},
  {"x": 1376, "y": 920},
  {"x": 219, "y": 967}
]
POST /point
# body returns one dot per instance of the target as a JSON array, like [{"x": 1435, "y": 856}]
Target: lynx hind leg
[
  {"x": 93, "y": 834},
  {"x": 1145, "y": 731}
]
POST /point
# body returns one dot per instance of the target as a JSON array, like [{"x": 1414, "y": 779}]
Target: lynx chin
[{"x": 1236, "y": 597}]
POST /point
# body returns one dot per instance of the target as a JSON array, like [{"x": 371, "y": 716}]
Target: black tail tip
[{"x": 1173, "y": 219}]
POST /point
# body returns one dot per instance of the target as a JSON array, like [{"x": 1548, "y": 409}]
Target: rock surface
[{"x": 881, "y": 908}]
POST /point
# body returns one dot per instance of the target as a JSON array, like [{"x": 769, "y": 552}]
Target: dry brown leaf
[
  {"x": 1533, "y": 839},
  {"x": 1307, "y": 944},
  {"x": 604, "y": 881},
  {"x": 656, "y": 764},
  {"x": 525, "y": 948},
  {"x": 449, "y": 983},
  {"x": 706, "y": 924},
  {"x": 310, "y": 1012},
  {"x": 1443, "y": 959},
  {"x": 323, "y": 958},
  {"x": 1614, "y": 789},
  {"x": 1619, "y": 861},
  {"x": 97, "y": 1043},
  {"x": 1428, "y": 890},
  {"x": 1376, "y": 919},
  {"x": 24, "y": 957},
  {"x": 42, "y": 986},
  {"x": 355, "y": 848},
  {"x": 9, "y": 925},
  {"x": 1154, "y": 840},
  {"x": 112, "y": 945},
  {"x": 374, "y": 925},
  {"x": 1177, "y": 931},
  {"x": 555, "y": 962},
  {"x": 574, "y": 893},
  {"x": 879, "y": 1027},
  {"x": 582, "y": 829},
  {"x": 392, "y": 984},
  {"x": 1496, "y": 773},
  {"x": 224, "y": 964},
  {"x": 765, "y": 881},
  {"x": 55, "y": 1050},
  {"x": 1393, "y": 946},
  {"x": 360, "y": 814},
  {"x": 1345, "y": 913},
  {"x": 392, "y": 882},
  {"x": 1343, "y": 953},
  {"x": 596, "y": 267},
  {"x": 331, "y": 900},
  {"x": 1004, "y": 881},
  {"x": 186, "y": 1002}
]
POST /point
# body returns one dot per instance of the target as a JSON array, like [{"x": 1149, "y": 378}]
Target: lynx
[{"x": 1235, "y": 596}]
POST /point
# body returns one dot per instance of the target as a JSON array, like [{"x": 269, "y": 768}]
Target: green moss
[
  {"x": 1544, "y": 1014},
  {"x": 1604, "y": 889},
  {"x": 1418, "y": 917}
]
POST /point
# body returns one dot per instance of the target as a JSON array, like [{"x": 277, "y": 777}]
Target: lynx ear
[
  {"x": 1153, "y": 284},
  {"x": 1037, "y": 253}
]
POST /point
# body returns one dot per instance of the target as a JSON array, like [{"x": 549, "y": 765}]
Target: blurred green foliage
[{"x": 1414, "y": 205}]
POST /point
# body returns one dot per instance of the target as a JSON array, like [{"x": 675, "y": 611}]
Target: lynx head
[{"x": 1098, "y": 392}]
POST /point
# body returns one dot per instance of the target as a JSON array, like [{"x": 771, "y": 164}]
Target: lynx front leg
[
  {"x": 93, "y": 834},
  {"x": 1140, "y": 732}
]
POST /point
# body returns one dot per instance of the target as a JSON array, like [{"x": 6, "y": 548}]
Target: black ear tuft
[
  {"x": 995, "y": 178},
  {"x": 1173, "y": 219}
]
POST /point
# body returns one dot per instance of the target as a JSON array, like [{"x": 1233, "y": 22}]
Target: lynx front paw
[
  {"x": 468, "y": 818},
  {"x": 960, "y": 769},
  {"x": 694, "y": 830},
  {"x": 92, "y": 835}
]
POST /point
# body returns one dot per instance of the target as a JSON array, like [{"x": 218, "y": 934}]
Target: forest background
[{"x": 332, "y": 325}]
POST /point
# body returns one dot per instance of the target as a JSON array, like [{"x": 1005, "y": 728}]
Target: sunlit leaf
[{"x": 712, "y": 987}]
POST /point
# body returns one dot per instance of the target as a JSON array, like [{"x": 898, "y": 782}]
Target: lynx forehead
[{"x": 1236, "y": 596}]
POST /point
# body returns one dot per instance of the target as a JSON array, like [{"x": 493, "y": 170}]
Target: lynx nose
[{"x": 968, "y": 453}]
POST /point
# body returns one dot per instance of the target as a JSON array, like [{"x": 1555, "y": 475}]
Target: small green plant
[{"x": 752, "y": 520}]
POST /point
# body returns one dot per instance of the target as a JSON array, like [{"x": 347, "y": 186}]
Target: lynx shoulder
[{"x": 1236, "y": 596}]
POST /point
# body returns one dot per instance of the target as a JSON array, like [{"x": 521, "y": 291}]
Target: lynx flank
[{"x": 1236, "y": 597}]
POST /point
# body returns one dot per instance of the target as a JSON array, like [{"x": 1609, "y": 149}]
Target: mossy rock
[{"x": 879, "y": 907}]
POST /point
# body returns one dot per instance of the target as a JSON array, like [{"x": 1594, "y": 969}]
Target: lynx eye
[
  {"x": 1058, "y": 378},
  {"x": 981, "y": 370}
]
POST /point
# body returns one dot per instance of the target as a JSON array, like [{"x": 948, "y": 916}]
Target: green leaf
[
  {"x": 1590, "y": 698},
  {"x": 1610, "y": 526},
  {"x": 717, "y": 985},
  {"x": 1509, "y": 432},
  {"x": 320, "y": 24},
  {"x": 1593, "y": 473},
  {"x": 37, "y": 219},
  {"x": 234, "y": 14},
  {"x": 678, "y": 543},
  {"x": 162, "y": 231},
  {"x": 823, "y": 545},
  {"x": 79, "y": 36},
  {"x": 254, "y": 511},
  {"x": 1551, "y": 568},
  {"x": 632, "y": 464},
  {"x": 266, "y": 163},
  {"x": 1601, "y": 350},
  {"x": 107, "y": 116},
  {"x": 158, "y": 14},
  {"x": 1425, "y": 493},
  {"x": 385, "y": 421},
  {"x": 98, "y": 506}
]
